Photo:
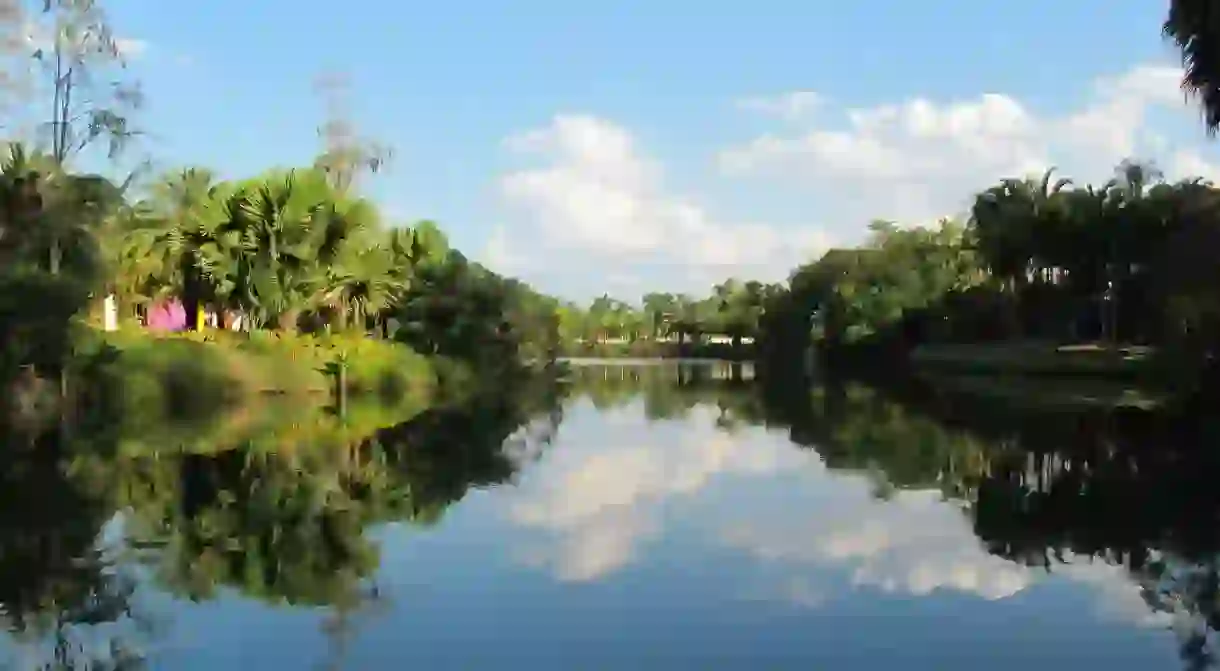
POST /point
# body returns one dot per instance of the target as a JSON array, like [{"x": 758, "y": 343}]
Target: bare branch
[{"x": 345, "y": 154}]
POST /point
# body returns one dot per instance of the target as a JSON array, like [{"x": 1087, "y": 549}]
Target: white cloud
[
  {"x": 599, "y": 202},
  {"x": 919, "y": 159},
  {"x": 498, "y": 252},
  {"x": 593, "y": 202},
  {"x": 1185, "y": 162},
  {"x": 788, "y": 106}
]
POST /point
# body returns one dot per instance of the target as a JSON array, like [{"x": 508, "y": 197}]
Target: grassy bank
[
  {"x": 1035, "y": 358},
  {"x": 1073, "y": 394},
  {"x": 189, "y": 376},
  {"x": 132, "y": 393}
]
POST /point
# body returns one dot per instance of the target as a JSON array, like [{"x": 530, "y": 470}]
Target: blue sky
[{"x": 622, "y": 146}]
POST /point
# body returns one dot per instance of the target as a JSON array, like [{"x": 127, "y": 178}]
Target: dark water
[{"x": 629, "y": 518}]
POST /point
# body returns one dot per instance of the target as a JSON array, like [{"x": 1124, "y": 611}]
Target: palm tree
[
  {"x": 1134, "y": 216},
  {"x": 361, "y": 286},
  {"x": 27, "y": 178},
  {"x": 182, "y": 230},
  {"x": 20, "y": 197},
  {"x": 276, "y": 220},
  {"x": 1194, "y": 28},
  {"x": 1006, "y": 220}
]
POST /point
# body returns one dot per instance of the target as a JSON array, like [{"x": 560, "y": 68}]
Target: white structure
[{"x": 110, "y": 313}]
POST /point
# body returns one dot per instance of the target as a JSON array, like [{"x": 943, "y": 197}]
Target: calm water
[{"x": 654, "y": 517}]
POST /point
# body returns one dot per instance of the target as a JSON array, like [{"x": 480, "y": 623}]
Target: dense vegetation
[
  {"x": 301, "y": 250},
  {"x": 296, "y": 251},
  {"x": 1039, "y": 259},
  {"x": 1195, "y": 31},
  {"x": 665, "y": 324}
]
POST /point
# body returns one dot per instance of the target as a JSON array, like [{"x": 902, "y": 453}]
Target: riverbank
[
  {"x": 187, "y": 375},
  {"x": 1059, "y": 393},
  {"x": 1036, "y": 358}
]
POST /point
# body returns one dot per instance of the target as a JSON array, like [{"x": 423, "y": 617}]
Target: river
[{"x": 676, "y": 516}]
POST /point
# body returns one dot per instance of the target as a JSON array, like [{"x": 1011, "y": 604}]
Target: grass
[
  {"x": 1036, "y": 358},
  {"x": 191, "y": 375},
  {"x": 1051, "y": 393}
]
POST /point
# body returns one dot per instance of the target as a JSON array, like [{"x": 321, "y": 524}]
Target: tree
[
  {"x": 278, "y": 222},
  {"x": 345, "y": 154},
  {"x": 1194, "y": 28},
  {"x": 183, "y": 228},
  {"x": 78, "y": 54},
  {"x": 659, "y": 311}
]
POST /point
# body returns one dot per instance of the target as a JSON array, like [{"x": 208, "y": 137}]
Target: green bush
[
  {"x": 153, "y": 379},
  {"x": 36, "y": 313}
]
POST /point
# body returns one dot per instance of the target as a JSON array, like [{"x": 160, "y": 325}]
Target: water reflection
[
  {"x": 93, "y": 516},
  {"x": 1119, "y": 502},
  {"x": 624, "y": 516}
]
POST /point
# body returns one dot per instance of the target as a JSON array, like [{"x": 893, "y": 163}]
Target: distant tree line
[{"x": 1127, "y": 261}]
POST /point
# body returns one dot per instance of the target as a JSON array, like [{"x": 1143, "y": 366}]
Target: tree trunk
[
  {"x": 190, "y": 305},
  {"x": 191, "y": 292},
  {"x": 1018, "y": 306}
]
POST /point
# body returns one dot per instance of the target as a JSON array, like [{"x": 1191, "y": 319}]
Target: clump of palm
[
  {"x": 22, "y": 174},
  {"x": 272, "y": 248},
  {"x": 52, "y": 225},
  {"x": 179, "y": 233},
  {"x": 51, "y": 218},
  {"x": 1194, "y": 28},
  {"x": 284, "y": 234},
  {"x": 361, "y": 287}
]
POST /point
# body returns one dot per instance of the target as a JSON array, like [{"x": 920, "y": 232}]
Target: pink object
[{"x": 167, "y": 316}]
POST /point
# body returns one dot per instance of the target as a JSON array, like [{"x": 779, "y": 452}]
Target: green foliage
[
  {"x": 286, "y": 251},
  {"x": 36, "y": 311},
  {"x": 1192, "y": 27},
  {"x": 723, "y": 324},
  {"x": 1040, "y": 260},
  {"x": 272, "y": 500},
  {"x": 266, "y": 362},
  {"x": 156, "y": 380},
  {"x": 463, "y": 311}
]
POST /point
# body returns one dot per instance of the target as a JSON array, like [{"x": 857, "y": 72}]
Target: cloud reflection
[
  {"x": 598, "y": 500},
  {"x": 912, "y": 543},
  {"x": 606, "y": 489}
]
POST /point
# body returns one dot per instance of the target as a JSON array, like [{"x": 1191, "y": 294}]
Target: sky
[{"x": 631, "y": 146}]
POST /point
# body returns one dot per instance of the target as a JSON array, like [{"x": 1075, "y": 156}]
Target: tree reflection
[
  {"x": 58, "y": 584},
  {"x": 1042, "y": 483},
  {"x": 289, "y": 525},
  {"x": 1045, "y": 484},
  {"x": 273, "y": 511},
  {"x": 282, "y": 514}
]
